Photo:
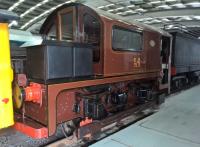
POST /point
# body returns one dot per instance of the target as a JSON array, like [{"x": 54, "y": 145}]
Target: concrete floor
[{"x": 177, "y": 124}]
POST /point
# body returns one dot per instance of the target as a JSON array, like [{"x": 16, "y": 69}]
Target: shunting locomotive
[{"x": 89, "y": 67}]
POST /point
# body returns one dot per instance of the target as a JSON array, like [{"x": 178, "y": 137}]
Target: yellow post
[{"x": 6, "y": 77}]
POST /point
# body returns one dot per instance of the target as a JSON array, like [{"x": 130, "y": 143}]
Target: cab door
[
  {"x": 91, "y": 32},
  {"x": 152, "y": 45}
]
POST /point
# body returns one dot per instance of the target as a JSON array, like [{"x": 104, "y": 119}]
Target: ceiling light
[
  {"x": 170, "y": 0},
  {"x": 41, "y": 15},
  {"x": 173, "y": 17},
  {"x": 155, "y": 2},
  {"x": 13, "y": 23},
  {"x": 100, "y": 7},
  {"x": 111, "y": 10},
  {"x": 185, "y": 18},
  {"x": 180, "y": 18},
  {"x": 144, "y": 19},
  {"x": 109, "y": 5},
  {"x": 165, "y": 19},
  {"x": 140, "y": 10},
  {"x": 155, "y": 21},
  {"x": 184, "y": 27},
  {"x": 176, "y": 27},
  {"x": 164, "y": 7},
  {"x": 130, "y": 11},
  {"x": 131, "y": 6},
  {"x": 120, "y": 8},
  {"x": 194, "y": 4},
  {"x": 196, "y": 17},
  {"x": 34, "y": 7},
  {"x": 147, "y": 22},
  {"x": 106, "y": 6},
  {"x": 140, "y": 20},
  {"x": 15, "y": 5},
  {"x": 170, "y": 26},
  {"x": 179, "y": 5}
]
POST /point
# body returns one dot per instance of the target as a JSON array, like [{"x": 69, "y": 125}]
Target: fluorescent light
[
  {"x": 130, "y": 11},
  {"x": 111, "y": 10},
  {"x": 194, "y": 4},
  {"x": 34, "y": 7},
  {"x": 196, "y": 17},
  {"x": 100, "y": 7},
  {"x": 131, "y": 6},
  {"x": 120, "y": 8},
  {"x": 140, "y": 10},
  {"x": 165, "y": 19},
  {"x": 15, "y": 5},
  {"x": 155, "y": 21},
  {"x": 147, "y": 22},
  {"x": 41, "y": 15},
  {"x": 170, "y": 26},
  {"x": 186, "y": 18},
  {"x": 155, "y": 2},
  {"x": 13, "y": 23},
  {"x": 144, "y": 19},
  {"x": 109, "y": 5},
  {"x": 170, "y": 0},
  {"x": 164, "y": 7},
  {"x": 179, "y": 5},
  {"x": 140, "y": 20},
  {"x": 181, "y": 18}
]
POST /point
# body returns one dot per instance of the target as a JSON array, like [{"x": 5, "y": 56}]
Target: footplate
[{"x": 30, "y": 128}]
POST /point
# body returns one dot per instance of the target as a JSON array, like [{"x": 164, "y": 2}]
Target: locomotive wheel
[{"x": 18, "y": 96}]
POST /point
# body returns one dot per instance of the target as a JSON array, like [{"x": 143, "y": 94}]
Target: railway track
[{"x": 12, "y": 138}]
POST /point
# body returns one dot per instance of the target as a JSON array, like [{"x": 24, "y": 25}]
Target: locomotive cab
[
  {"x": 113, "y": 42},
  {"x": 80, "y": 25}
]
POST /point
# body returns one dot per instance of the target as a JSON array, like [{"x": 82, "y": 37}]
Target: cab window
[
  {"x": 66, "y": 26},
  {"x": 126, "y": 40}
]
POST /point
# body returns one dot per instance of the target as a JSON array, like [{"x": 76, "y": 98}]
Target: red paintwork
[
  {"x": 5, "y": 100},
  {"x": 30, "y": 131},
  {"x": 85, "y": 122},
  {"x": 34, "y": 93},
  {"x": 173, "y": 71}
]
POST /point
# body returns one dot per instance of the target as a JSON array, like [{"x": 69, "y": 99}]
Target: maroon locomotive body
[{"x": 90, "y": 67}]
